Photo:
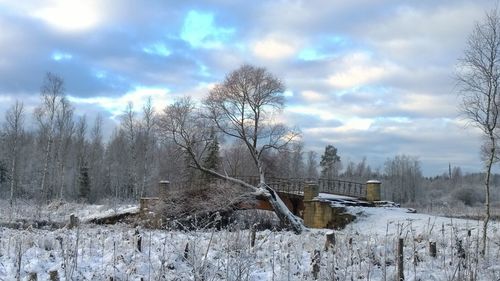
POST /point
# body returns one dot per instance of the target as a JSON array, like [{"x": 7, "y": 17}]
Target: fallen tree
[{"x": 243, "y": 108}]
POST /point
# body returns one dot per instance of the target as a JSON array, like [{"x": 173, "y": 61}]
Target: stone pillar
[
  {"x": 373, "y": 190},
  {"x": 163, "y": 188},
  {"x": 311, "y": 190}
]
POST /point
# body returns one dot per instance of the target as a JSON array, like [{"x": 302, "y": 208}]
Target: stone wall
[{"x": 321, "y": 214}]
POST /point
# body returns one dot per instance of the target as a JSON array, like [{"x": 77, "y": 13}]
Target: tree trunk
[
  {"x": 61, "y": 188},
  {"x": 487, "y": 190},
  {"x": 43, "y": 185},
  {"x": 13, "y": 172},
  {"x": 281, "y": 210}
]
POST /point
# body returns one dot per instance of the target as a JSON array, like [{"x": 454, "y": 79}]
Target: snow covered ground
[{"x": 365, "y": 250}]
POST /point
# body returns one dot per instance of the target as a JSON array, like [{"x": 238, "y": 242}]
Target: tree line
[{"x": 65, "y": 156}]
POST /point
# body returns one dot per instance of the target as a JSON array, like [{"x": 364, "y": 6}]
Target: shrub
[{"x": 469, "y": 196}]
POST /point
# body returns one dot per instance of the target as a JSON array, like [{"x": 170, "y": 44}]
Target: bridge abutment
[{"x": 321, "y": 214}]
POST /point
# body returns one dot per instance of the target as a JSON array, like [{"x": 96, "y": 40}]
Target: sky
[{"x": 373, "y": 78}]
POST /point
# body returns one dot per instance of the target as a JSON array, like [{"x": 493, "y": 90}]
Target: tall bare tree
[
  {"x": 129, "y": 127},
  {"x": 14, "y": 127},
  {"x": 478, "y": 77},
  {"x": 96, "y": 159},
  {"x": 312, "y": 165},
  {"x": 65, "y": 130},
  {"x": 242, "y": 107},
  {"x": 147, "y": 125},
  {"x": 81, "y": 149},
  {"x": 52, "y": 92}
]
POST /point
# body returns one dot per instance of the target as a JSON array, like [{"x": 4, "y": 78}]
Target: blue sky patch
[
  {"x": 200, "y": 31},
  {"x": 60, "y": 56}
]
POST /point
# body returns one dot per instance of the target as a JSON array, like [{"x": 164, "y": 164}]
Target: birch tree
[
  {"x": 148, "y": 124},
  {"x": 96, "y": 158},
  {"x": 14, "y": 127},
  {"x": 242, "y": 107},
  {"x": 129, "y": 127},
  {"x": 478, "y": 79},
  {"x": 312, "y": 165},
  {"x": 65, "y": 130},
  {"x": 52, "y": 92}
]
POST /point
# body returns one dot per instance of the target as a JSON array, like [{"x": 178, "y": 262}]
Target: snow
[
  {"x": 329, "y": 196},
  {"x": 365, "y": 250},
  {"x": 111, "y": 212}
]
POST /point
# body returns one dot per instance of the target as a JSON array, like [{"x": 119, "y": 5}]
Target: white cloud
[
  {"x": 273, "y": 48},
  {"x": 138, "y": 97},
  {"x": 70, "y": 15},
  {"x": 359, "y": 69},
  {"x": 313, "y": 96}
]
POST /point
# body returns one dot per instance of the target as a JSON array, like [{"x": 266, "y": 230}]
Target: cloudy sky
[{"x": 373, "y": 78}]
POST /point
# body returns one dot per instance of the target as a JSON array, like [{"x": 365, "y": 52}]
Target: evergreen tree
[
  {"x": 84, "y": 182},
  {"x": 330, "y": 163},
  {"x": 212, "y": 159}
]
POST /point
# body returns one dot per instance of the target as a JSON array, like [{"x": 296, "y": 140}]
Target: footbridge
[{"x": 320, "y": 202}]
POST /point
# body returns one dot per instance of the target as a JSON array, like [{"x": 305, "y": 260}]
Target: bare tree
[
  {"x": 312, "y": 165},
  {"x": 148, "y": 125},
  {"x": 96, "y": 158},
  {"x": 129, "y": 126},
  {"x": 14, "y": 127},
  {"x": 403, "y": 178},
  {"x": 478, "y": 77},
  {"x": 52, "y": 92},
  {"x": 65, "y": 130},
  {"x": 242, "y": 107},
  {"x": 81, "y": 148}
]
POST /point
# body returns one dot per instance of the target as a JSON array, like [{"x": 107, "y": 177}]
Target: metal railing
[
  {"x": 292, "y": 185},
  {"x": 296, "y": 185}
]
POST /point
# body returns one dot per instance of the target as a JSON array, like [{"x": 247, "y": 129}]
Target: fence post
[
  {"x": 330, "y": 241},
  {"x": 316, "y": 261},
  {"x": 373, "y": 190},
  {"x": 401, "y": 275},
  {"x": 432, "y": 249}
]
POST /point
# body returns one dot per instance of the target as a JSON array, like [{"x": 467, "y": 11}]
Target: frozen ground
[{"x": 365, "y": 250}]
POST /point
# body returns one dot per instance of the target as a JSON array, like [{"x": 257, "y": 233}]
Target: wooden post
[
  {"x": 32, "y": 276},
  {"x": 252, "y": 236},
  {"x": 401, "y": 275},
  {"x": 139, "y": 240},
  {"x": 54, "y": 275},
  {"x": 316, "y": 261},
  {"x": 330, "y": 241},
  {"x": 73, "y": 221},
  {"x": 432, "y": 249},
  {"x": 186, "y": 251}
]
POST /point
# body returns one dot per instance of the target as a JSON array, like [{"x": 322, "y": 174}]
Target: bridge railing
[
  {"x": 293, "y": 185},
  {"x": 296, "y": 185},
  {"x": 342, "y": 187}
]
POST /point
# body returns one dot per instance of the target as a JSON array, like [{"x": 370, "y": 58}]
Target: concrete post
[
  {"x": 163, "y": 187},
  {"x": 311, "y": 190},
  {"x": 373, "y": 190}
]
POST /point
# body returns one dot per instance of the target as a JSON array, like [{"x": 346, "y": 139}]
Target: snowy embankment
[{"x": 365, "y": 250}]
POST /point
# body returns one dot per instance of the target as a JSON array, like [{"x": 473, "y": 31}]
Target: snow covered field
[{"x": 365, "y": 250}]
